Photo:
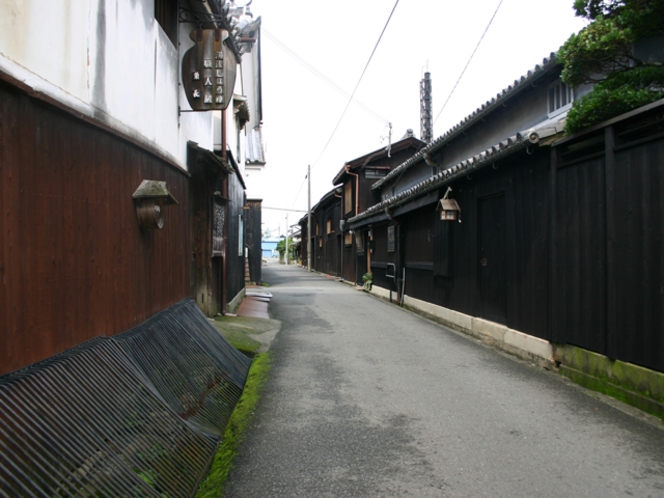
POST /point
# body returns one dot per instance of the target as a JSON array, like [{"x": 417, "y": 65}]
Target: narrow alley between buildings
[{"x": 367, "y": 399}]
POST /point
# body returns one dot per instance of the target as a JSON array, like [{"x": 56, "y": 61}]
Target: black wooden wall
[
  {"x": 504, "y": 221},
  {"x": 237, "y": 221},
  {"x": 563, "y": 243},
  {"x": 254, "y": 237},
  {"x": 608, "y": 238}
]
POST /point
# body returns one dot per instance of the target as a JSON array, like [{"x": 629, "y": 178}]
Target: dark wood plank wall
[
  {"x": 332, "y": 241},
  {"x": 254, "y": 237},
  {"x": 317, "y": 261},
  {"x": 524, "y": 183},
  {"x": 419, "y": 236},
  {"x": 636, "y": 248},
  {"x": 585, "y": 258},
  {"x": 235, "y": 264},
  {"x": 349, "y": 262},
  {"x": 379, "y": 257},
  {"x": 73, "y": 261},
  {"x": 578, "y": 310}
]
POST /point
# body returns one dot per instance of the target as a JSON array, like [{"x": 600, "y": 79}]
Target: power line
[
  {"x": 357, "y": 86},
  {"x": 468, "y": 63},
  {"x": 299, "y": 191},
  {"x": 320, "y": 75}
]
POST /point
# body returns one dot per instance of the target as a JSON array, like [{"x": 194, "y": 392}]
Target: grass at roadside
[{"x": 212, "y": 486}]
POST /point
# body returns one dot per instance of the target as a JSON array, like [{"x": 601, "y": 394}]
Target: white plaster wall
[
  {"x": 250, "y": 85},
  {"x": 195, "y": 126},
  {"x": 140, "y": 78},
  {"x": 44, "y": 43},
  {"x": 108, "y": 59}
]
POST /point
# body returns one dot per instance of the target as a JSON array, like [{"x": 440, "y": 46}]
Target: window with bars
[
  {"x": 560, "y": 98},
  {"x": 375, "y": 173}
]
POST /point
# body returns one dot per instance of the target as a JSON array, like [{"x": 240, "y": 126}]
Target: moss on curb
[
  {"x": 238, "y": 331},
  {"x": 212, "y": 486}
]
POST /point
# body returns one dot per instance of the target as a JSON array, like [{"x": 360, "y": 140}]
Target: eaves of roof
[
  {"x": 489, "y": 156},
  {"x": 323, "y": 200},
  {"x": 510, "y": 92},
  {"x": 371, "y": 156},
  {"x": 208, "y": 158}
]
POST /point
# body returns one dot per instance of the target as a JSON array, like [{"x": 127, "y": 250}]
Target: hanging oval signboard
[{"x": 208, "y": 71}]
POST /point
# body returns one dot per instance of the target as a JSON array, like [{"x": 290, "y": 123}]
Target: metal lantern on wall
[{"x": 150, "y": 198}]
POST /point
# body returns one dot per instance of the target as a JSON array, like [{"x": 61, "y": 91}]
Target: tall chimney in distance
[{"x": 426, "y": 123}]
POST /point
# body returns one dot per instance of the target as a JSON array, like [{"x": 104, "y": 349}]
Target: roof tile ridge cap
[
  {"x": 506, "y": 92},
  {"x": 407, "y": 163}
]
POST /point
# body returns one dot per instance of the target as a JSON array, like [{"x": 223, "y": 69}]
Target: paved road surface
[{"x": 366, "y": 399}]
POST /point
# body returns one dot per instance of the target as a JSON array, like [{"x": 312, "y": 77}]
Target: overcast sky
[{"x": 314, "y": 52}]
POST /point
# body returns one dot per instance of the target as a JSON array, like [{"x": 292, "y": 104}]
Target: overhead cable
[
  {"x": 320, "y": 75},
  {"x": 356, "y": 86},
  {"x": 468, "y": 63}
]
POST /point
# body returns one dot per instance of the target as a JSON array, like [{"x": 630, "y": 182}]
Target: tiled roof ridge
[
  {"x": 489, "y": 105},
  {"x": 511, "y": 144},
  {"x": 403, "y": 142}
]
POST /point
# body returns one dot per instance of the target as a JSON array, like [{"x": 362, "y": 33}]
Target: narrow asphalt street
[{"x": 367, "y": 399}]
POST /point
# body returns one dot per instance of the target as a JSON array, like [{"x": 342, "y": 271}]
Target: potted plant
[{"x": 367, "y": 278}]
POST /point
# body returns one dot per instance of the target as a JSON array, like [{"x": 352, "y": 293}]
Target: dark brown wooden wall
[
  {"x": 73, "y": 262},
  {"x": 350, "y": 262}
]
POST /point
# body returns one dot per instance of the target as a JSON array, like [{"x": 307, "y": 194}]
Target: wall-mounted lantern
[
  {"x": 150, "y": 198},
  {"x": 449, "y": 208}
]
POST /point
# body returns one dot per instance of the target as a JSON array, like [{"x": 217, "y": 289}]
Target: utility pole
[{"x": 309, "y": 219}]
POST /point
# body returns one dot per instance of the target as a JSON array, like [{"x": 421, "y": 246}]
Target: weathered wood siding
[
  {"x": 237, "y": 221},
  {"x": 572, "y": 238},
  {"x": 73, "y": 262},
  {"x": 609, "y": 241},
  {"x": 518, "y": 277},
  {"x": 254, "y": 237}
]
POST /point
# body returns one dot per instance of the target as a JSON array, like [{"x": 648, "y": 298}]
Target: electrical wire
[
  {"x": 356, "y": 86},
  {"x": 350, "y": 98},
  {"x": 299, "y": 191},
  {"x": 469, "y": 60},
  {"x": 319, "y": 74}
]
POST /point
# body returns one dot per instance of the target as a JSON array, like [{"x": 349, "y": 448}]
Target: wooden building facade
[
  {"x": 560, "y": 242},
  {"x": 78, "y": 138},
  {"x": 74, "y": 262}
]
